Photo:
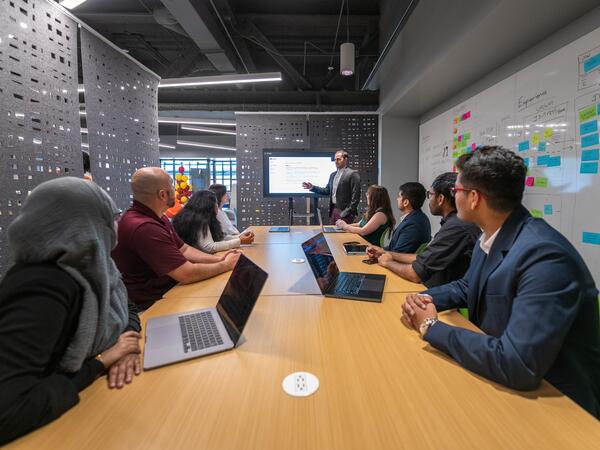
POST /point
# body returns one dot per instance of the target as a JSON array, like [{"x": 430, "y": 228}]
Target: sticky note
[
  {"x": 541, "y": 182},
  {"x": 590, "y": 155},
  {"x": 553, "y": 161},
  {"x": 523, "y": 146},
  {"x": 588, "y": 127},
  {"x": 590, "y": 238},
  {"x": 542, "y": 146},
  {"x": 548, "y": 210},
  {"x": 526, "y": 161},
  {"x": 548, "y": 132},
  {"x": 542, "y": 160},
  {"x": 466, "y": 115},
  {"x": 535, "y": 139},
  {"x": 529, "y": 181},
  {"x": 455, "y": 131},
  {"x": 473, "y": 147},
  {"x": 589, "y": 140},
  {"x": 467, "y": 136},
  {"x": 591, "y": 63},
  {"x": 598, "y": 109},
  {"x": 459, "y": 138},
  {"x": 589, "y": 167},
  {"x": 587, "y": 113},
  {"x": 536, "y": 213}
]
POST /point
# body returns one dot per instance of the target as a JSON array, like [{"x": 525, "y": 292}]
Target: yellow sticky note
[
  {"x": 535, "y": 139},
  {"x": 548, "y": 132}
]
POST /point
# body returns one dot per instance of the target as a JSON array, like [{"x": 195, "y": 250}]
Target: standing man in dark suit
[
  {"x": 414, "y": 228},
  {"x": 343, "y": 190},
  {"x": 527, "y": 289}
]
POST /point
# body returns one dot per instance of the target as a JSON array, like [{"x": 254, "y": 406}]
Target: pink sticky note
[
  {"x": 473, "y": 146},
  {"x": 466, "y": 115},
  {"x": 529, "y": 181},
  {"x": 460, "y": 138}
]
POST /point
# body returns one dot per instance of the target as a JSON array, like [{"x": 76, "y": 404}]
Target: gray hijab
[{"x": 70, "y": 221}]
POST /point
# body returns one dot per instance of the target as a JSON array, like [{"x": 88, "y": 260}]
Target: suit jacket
[
  {"x": 411, "y": 233},
  {"x": 536, "y": 302},
  {"x": 347, "y": 195}
]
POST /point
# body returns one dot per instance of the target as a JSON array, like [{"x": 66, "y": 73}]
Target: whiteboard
[{"x": 549, "y": 114}]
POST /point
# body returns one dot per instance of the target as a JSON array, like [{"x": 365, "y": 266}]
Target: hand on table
[
  {"x": 416, "y": 309},
  {"x": 384, "y": 259},
  {"x": 341, "y": 224},
  {"x": 123, "y": 371},
  {"x": 247, "y": 237},
  {"x": 231, "y": 259},
  {"x": 127, "y": 343},
  {"x": 374, "y": 252}
]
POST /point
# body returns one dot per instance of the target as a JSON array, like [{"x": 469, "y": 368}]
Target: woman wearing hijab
[
  {"x": 64, "y": 316},
  {"x": 197, "y": 225}
]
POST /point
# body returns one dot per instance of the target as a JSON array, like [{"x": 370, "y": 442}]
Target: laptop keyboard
[
  {"x": 349, "y": 285},
  {"x": 199, "y": 331}
]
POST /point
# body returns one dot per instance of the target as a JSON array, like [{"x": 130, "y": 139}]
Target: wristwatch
[{"x": 425, "y": 325}]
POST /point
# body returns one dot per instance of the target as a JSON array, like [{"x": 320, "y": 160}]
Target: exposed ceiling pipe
[{"x": 164, "y": 17}]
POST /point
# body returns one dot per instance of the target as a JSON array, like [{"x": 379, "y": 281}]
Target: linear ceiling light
[
  {"x": 166, "y": 146},
  {"x": 189, "y": 121},
  {"x": 201, "y": 144},
  {"x": 70, "y": 4},
  {"x": 220, "y": 79},
  {"x": 208, "y": 130}
]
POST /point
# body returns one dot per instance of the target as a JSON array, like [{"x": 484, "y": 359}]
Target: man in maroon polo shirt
[{"x": 149, "y": 254}]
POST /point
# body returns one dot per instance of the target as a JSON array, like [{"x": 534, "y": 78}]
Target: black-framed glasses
[
  {"x": 454, "y": 190},
  {"x": 430, "y": 194}
]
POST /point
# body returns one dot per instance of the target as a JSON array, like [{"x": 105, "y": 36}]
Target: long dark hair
[
  {"x": 219, "y": 189},
  {"x": 198, "y": 215},
  {"x": 379, "y": 201}
]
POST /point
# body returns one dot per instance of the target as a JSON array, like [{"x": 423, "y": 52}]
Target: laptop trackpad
[
  {"x": 166, "y": 336},
  {"x": 369, "y": 284}
]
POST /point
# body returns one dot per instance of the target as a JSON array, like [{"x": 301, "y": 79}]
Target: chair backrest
[
  {"x": 422, "y": 247},
  {"x": 386, "y": 237},
  {"x": 231, "y": 215}
]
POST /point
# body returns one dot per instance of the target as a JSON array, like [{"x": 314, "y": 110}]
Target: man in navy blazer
[
  {"x": 527, "y": 289},
  {"x": 414, "y": 228}
]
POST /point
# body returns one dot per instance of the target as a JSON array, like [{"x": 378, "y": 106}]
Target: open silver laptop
[
  {"x": 325, "y": 229},
  {"x": 183, "y": 336}
]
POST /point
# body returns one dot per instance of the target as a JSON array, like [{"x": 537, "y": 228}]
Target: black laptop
[{"x": 332, "y": 282}]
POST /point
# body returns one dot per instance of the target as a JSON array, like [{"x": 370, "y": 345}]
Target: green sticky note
[
  {"x": 535, "y": 139},
  {"x": 587, "y": 113},
  {"x": 540, "y": 182},
  {"x": 467, "y": 136},
  {"x": 455, "y": 155},
  {"x": 537, "y": 213}
]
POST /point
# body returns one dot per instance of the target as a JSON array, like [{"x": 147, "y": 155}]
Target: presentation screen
[{"x": 285, "y": 170}]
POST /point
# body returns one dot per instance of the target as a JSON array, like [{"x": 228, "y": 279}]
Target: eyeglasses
[
  {"x": 454, "y": 190},
  {"x": 430, "y": 194}
]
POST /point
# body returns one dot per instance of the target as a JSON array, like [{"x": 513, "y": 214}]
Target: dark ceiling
[{"x": 179, "y": 38}]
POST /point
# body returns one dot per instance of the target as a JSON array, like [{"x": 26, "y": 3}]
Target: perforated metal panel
[
  {"x": 356, "y": 134},
  {"x": 121, "y": 112},
  {"x": 39, "y": 122}
]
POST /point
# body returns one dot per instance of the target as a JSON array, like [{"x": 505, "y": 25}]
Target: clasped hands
[{"x": 417, "y": 308}]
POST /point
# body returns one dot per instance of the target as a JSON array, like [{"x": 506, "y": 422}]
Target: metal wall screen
[
  {"x": 357, "y": 134},
  {"x": 121, "y": 112},
  {"x": 39, "y": 123}
]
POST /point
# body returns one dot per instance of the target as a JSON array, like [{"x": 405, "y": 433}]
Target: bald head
[{"x": 147, "y": 182}]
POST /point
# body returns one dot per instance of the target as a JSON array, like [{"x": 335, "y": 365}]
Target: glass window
[{"x": 214, "y": 170}]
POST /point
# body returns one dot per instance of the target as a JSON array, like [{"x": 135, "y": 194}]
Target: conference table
[{"x": 381, "y": 386}]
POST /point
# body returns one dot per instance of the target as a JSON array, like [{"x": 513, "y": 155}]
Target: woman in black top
[{"x": 64, "y": 315}]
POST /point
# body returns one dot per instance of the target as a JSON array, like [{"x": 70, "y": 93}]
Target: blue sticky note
[
  {"x": 526, "y": 161},
  {"x": 589, "y": 140},
  {"x": 591, "y": 238},
  {"x": 543, "y": 160},
  {"x": 588, "y": 167},
  {"x": 523, "y": 146},
  {"x": 590, "y": 155},
  {"x": 553, "y": 161},
  {"x": 598, "y": 109},
  {"x": 542, "y": 146},
  {"x": 591, "y": 63},
  {"x": 548, "y": 210},
  {"x": 588, "y": 127}
]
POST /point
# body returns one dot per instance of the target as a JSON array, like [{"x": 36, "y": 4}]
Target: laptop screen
[
  {"x": 321, "y": 261},
  {"x": 240, "y": 295}
]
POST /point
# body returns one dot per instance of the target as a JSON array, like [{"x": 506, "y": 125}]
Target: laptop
[
  {"x": 178, "y": 337},
  {"x": 279, "y": 229},
  {"x": 328, "y": 229},
  {"x": 332, "y": 282}
]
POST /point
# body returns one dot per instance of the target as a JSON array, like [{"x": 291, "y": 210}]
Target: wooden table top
[
  {"x": 288, "y": 278},
  {"x": 381, "y": 387}
]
